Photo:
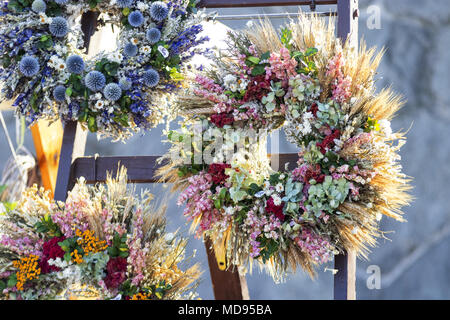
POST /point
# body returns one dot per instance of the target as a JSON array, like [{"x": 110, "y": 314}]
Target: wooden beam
[
  {"x": 259, "y": 3},
  {"x": 229, "y": 284},
  {"x": 141, "y": 169},
  {"x": 347, "y": 23},
  {"x": 73, "y": 146},
  {"x": 345, "y": 278},
  {"x": 47, "y": 138}
]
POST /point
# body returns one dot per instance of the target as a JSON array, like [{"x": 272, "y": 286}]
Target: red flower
[
  {"x": 222, "y": 119},
  {"x": 217, "y": 171},
  {"x": 314, "y": 109},
  {"x": 115, "y": 272},
  {"x": 276, "y": 210},
  {"x": 328, "y": 141},
  {"x": 257, "y": 88},
  {"x": 51, "y": 250}
]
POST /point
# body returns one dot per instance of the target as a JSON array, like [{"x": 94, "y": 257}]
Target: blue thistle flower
[
  {"x": 75, "y": 64},
  {"x": 153, "y": 35},
  {"x": 38, "y": 6},
  {"x": 136, "y": 19},
  {"x": 95, "y": 81},
  {"x": 112, "y": 92},
  {"x": 125, "y": 84},
  {"x": 124, "y": 3},
  {"x": 29, "y": 66},
  {"x": 159, "y": 11},
  {"x": 151, "y": 78},
  {"x": 59, "y": 93},
  {"x": 61, "y": 1},
  {"x": 59, "y": 27},
  {"x": 130, "y": 50}
]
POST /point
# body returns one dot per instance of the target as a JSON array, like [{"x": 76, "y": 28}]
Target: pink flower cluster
[
  {"x": 256, "y": 226},
  {"x": 74, "y": 215},
  {"x": 199, "y": 202},
  {"x": 22, "y": 246},
  {"x": 316, "y": 246},
  {"x": 282, "y": 66},
  {"x": 342, "y": 84},
  {"x": 109, "y": 228},
  {"x": 136, "y": 257}
]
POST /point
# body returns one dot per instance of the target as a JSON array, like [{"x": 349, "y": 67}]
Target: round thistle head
[
  {"x": 38, "y": 6},
  {"x": 112, "y": 92},
  {"x": 153, "y": 35},
  {"x": 130, "y": 50},
  {"x": 124, "y": 3},
  {"x": 136, "y": 19},
  {"x": 29, "y": 66},
  {"x": 159, "y": 11},
  {"x": 124, "y": 84},
  {"x": 151, "y": 78},
  {"x": 75, "y": 64},
  {"x": 59, "y": 93},
  {"x": 61, "y": 1},
  {"x": 59, "y": 27},
  {"x": 95, "y": 81}
]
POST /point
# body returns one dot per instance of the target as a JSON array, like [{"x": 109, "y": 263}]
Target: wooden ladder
[{"x": 227, "y": 285}]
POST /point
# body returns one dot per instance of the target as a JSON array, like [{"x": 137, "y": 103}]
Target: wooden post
[
  {"x": 47, "y": 140},
  {"x": 347, "y": 23},
  {"x": 229, "y": 284},
  {"x": 73, "y": 146},
  {"x": 345, "y": 278}
]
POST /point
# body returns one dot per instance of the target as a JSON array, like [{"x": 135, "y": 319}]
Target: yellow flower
[{"x": 28, "y": 270}]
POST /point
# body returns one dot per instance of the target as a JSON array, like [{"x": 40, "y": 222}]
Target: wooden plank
[
  {"x": 227, "y": 285},
  {"x": 347, "y": 24},
  {"x": 345, "y": 278},
  {"x": 259, "y": 3},
  {"x": 47, "y": 140},
  {"x": 141, "y": 169},
  {"x": 73, "y": 146}
]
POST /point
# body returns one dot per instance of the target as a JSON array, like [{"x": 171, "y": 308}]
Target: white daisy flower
[
  {"x": 279, "y": 187},
  {"x": 276, "y": 200}
]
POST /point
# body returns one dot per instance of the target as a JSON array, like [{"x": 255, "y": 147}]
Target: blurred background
[{"x": 415, "y": 261}]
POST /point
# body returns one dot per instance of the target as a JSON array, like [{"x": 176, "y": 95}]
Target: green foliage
[
  {"x": 270, "y": 101},
  {"x": 327, "y": 196},
  {"x": 45, "y": 42},
  {"x": 119, "y": 246},
  {"x": 269, "y": 247},
  {"x": 68, "y": 246},
  {"x": 2, "y": 285},
  {"x": 293, "y": 195},
  {"x": 19, "y": 5},
  {"x": 53, "y": 9},
  {"x": 12, "y": 281},
  {"x": 257, "y": 64},
  {"x": 329, "y": 113},
  {"x": 94, "y": 3},
  {"x": 108, "y": 68},
  {"x": 286, "y": 38},
  {"x": 306, "y": 64},
  {"x": 46, "y": 225},
  {"x": 128, "y": 289}
]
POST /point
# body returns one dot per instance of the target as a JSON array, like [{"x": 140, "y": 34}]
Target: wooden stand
[{"x": 227, "y": 285}]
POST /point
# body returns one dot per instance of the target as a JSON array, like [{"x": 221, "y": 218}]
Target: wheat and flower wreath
[
  {"x": 104, "y": 242},
  {"x": 47, "y": 75},
  {"x": 322, "y": 93}
]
